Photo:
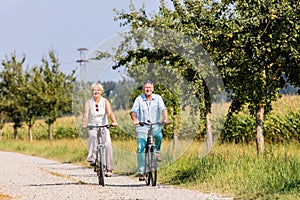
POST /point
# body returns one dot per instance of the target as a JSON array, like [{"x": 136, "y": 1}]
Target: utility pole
[{"x": 82, "y": 62}]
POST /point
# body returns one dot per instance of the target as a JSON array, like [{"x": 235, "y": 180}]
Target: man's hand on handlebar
[
  {"x": 136, "y": 122},
  {"x": 149, "y": 123}
]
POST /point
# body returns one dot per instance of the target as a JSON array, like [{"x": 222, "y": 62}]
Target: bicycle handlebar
[
  {"x": 149, "y": 123},
  {"x": 102, "y": 126}
]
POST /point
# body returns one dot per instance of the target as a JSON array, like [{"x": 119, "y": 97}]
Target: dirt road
[{"x": 29, "y": 177}]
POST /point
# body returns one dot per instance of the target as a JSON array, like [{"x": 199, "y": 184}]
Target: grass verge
[{"x": 236, "y": 170}]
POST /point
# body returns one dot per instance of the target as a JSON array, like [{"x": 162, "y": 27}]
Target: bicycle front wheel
[
  {"x": 154, "y": 167},
  {"x": 151, "y": 164},
  {"x": 149, "y": 176},
  {"x": 100, "y": 168}
]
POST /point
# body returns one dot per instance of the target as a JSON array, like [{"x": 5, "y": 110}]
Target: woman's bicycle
[
  {"x": 150, "y": 154},
  {"x": 99, "y": 162}
]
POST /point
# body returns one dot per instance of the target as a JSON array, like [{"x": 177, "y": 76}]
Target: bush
[
  {"x": 240, "y": 129},
  {"x": 281, "y": 125},
  {"x": 65, "y": 132}
]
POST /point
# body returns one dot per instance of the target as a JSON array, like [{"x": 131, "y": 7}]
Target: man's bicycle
[
  {"x": 99, "y": 162},
  {"x": 150, "y": 154}
]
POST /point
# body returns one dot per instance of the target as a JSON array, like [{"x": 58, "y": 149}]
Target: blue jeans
[{"x": 141, "y": 142}]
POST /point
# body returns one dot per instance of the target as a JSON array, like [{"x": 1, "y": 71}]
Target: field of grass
[
  {"x": 233, "y": 170},
  {"x": 70, "y": 151},
  {"x": 236, "y": 170}
]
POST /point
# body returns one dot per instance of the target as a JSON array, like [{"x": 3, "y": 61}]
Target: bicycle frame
[{"x": 99, "y": 167}]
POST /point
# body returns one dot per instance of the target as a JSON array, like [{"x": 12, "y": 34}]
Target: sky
[{"x": 33, "y": 27}]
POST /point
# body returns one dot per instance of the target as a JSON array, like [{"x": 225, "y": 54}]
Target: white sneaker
[
  {"x": 108, "y": 173},
  {"x": 158, "y": 157}
]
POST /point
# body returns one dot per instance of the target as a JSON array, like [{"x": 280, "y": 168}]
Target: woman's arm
[
  {"x": 85, "y": 114},
  {"x": 110, "y": 113}
]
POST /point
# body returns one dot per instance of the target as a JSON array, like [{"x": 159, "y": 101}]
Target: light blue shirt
[{"x": 146, "y": 111}]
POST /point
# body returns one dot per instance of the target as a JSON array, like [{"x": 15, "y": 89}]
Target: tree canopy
[
  {"x": 41, "y": 91},
  {"x": 254, "y": 44}
]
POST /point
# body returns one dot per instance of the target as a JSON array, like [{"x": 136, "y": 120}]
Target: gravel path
[{"x": 29, "y": 177}]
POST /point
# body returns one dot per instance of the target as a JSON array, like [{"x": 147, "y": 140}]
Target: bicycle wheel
[
  {"x": 100, "y": 171},
  {"x": 148, "y": 168},
  {"x": 153, "y": 167}
]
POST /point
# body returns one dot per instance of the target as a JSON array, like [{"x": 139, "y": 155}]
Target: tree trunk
[
  {"x": 30, "y": 133},
  {"x": 16, "y": 133},
  {"x": 175, "y": 132},
  {"x": 1, "y": 127},
  {"x": 50, "y": 132},
  {"x": 260, "y": 144},
  {"x": 209, "y": 137}
]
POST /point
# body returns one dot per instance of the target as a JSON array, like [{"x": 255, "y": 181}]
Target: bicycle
[
  {"x": 99, "y": 162},
  {"x": 150, "y": 155}
]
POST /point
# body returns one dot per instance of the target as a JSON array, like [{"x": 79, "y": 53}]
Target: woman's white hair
[{"x": 96, "y": 86}]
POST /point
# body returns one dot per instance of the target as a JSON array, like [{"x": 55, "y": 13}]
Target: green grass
[
  {"x": 236, "y": 170},
  {"x": 71, "y": 151}
]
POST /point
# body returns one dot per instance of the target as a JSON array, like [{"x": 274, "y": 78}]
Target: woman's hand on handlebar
[
  {"x": 167, "y": 121},
  {"x": 114, "y": 123}
]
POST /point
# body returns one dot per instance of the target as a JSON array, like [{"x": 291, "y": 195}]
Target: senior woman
[{"x": 96, "y": 110}]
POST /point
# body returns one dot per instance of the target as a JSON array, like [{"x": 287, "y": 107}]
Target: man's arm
[{"x": 134, "y": 118}]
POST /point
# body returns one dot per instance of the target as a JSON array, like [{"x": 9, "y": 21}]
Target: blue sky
[{"x": 33, "y": 27}]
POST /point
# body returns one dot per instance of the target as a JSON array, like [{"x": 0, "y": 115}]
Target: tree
[
  {"x": 108, "y": 87},
  {"x": 33, "y": 97},
  {"x": 188, "y": 63},
  {"x": 11, "y": 89},
  {"x": 252, "y": 43},
  {"x": 120, "y": 97},
  {"x": 57, "y": 90},
  {"x": 261, "y": 43}
]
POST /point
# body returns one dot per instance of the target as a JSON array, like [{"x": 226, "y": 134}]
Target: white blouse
[{"x": 97, "y": 113}]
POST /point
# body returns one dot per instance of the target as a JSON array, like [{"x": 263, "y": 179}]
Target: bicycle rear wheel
[{"x": 100, "y": 168}]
